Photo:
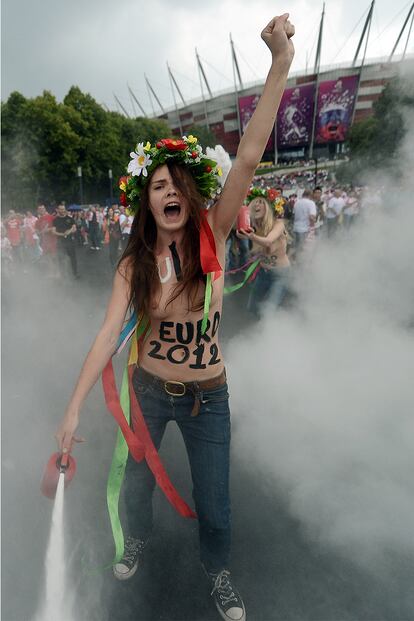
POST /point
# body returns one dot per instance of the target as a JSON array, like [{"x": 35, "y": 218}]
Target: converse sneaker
[
  {"x": 226, "y": 597},
  {"x": 128, "y": 564}
]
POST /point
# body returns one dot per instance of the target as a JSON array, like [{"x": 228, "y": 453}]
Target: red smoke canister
[
  {"x": 57, "y": 464},
  {"x": 243, "y": 218}
]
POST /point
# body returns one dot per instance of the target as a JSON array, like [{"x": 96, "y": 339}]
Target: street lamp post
[
  {"x": 110, "y": 185},
  {"x": 80, "y": 184}
]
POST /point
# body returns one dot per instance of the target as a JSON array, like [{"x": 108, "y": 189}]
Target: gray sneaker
[
  {"x": 226, "y": 597},
  {"x": 128, "y": 564}
]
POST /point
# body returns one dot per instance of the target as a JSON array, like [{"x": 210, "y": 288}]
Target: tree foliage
[{"x": 44, "y": 142}]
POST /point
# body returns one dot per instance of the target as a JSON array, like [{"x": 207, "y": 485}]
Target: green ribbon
[
  {"x": 207, "y": 302},
  {"x": 120, "y": 456},
  {"x": 247, "y": 275},
  {"x": 116, "y": 474}
]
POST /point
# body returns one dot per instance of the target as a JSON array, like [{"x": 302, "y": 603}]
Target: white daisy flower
[{"x": 139, "y": 162}]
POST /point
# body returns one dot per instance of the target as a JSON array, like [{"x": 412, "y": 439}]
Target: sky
[{"x": 102, "y": 45}]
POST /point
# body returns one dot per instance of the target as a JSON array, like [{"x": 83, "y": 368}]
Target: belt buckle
[{"x": 174, "y": 394}]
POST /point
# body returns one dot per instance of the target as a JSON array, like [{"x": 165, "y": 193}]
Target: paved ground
[{"x": 47, "y": 329}]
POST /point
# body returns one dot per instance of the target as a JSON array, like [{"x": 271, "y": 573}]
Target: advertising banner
[
  {"x": 295, "y": 116},
  {"x": 336, "y": 100},
  {"x": 247, "y": 105}
]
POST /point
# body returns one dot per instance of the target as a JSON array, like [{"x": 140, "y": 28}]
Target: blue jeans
[
  {"x": 234, "y": 261},
  {"x": 269, "y": 285},
  {"x": 207, "y": 440}
]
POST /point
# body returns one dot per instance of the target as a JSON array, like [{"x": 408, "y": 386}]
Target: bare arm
[
  {"x": 266, "y": 242},
  {"x": 102, "y": 349},
  {"x": 252, "y": 145}
]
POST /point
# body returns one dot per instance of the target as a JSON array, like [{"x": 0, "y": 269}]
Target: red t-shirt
[
  {"x": 13, "y": 231},
  {"x": 47, "y": 240}
]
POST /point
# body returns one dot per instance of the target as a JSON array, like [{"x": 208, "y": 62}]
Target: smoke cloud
[{"x": 325, "y": 393}]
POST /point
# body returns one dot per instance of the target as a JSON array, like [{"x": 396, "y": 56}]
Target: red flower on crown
[
  {"x": 272, "y": 194},
  {"x": 172, "y": 144}
]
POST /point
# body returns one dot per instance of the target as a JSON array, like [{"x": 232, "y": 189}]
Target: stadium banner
[
  {"x": 336, "y": 100},
  {"x": 295, "y": 116},
  {"x": 247, "y": 105}
]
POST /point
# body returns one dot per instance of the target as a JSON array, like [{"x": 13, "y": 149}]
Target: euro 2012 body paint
[{"x": 186, "y": 343}]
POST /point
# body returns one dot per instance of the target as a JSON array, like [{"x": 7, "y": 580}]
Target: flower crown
[
  {"x": 146, "y": 158},
  {"x": 270, "y": 194}
]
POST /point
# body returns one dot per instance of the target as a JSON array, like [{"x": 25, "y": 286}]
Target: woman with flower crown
[
  {"x": 171, "y": 275},
  {"x": 269, "y": 237}
]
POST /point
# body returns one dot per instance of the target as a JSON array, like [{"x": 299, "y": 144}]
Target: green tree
[
  {"x": 44, "y": 142},
  {"x": 38, "y": 149}
]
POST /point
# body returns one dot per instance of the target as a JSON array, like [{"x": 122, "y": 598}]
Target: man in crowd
[
  {"x": 48, "y": 240},
  {"x": 304, "y": 219},
  {"x": 13, "y": 224},
  {"x": 31, "y": 238},
  {"x": 289, "y": 206},
  {"x": 334, "y": 209},
  {"x": 320, "y": 208},
  {"x": 125, "y": 223},
  {"x": 93, "y": 228},
  {"x": 64, "y": 228},
  {"x": 6, "y": 254}
]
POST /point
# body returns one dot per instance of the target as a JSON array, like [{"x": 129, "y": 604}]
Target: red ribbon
[
  {"x": 138, "y": 439},
  {"x": 208, "y": 256},
  {"x": 136, "y": 447}
]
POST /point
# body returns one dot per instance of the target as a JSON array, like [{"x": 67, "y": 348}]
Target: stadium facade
[{"x": 343, "y": 94}]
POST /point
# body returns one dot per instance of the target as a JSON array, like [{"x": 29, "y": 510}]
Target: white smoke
[{"x": 326, "y": 393}]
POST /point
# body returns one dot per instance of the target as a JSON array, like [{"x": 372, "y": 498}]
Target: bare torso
[
  {"x": 275, "y": 256},
  {"x": 175, "y": 348}
]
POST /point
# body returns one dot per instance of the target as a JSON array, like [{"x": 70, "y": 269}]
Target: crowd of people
[
  {"x": 55, "y": 235},
  {"x": 283, "y": 231}
]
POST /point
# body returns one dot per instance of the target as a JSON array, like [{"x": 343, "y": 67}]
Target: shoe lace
[
  {"x": 132, "y": 548},
  {"x": 224, "y": 588}
]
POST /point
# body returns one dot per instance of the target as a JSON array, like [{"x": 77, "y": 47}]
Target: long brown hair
[{"x": 139, "y": 254}]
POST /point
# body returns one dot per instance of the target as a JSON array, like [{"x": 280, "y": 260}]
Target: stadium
[{"x": 317, "y": 108}]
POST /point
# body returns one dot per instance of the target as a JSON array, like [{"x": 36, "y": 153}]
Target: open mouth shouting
[{"x": 172, "y": 211}]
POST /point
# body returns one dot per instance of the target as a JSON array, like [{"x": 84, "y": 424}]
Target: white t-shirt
[
  {"x": 335, "y": 204},
  {"x": 127, "y": 228},
  {"x": 303, "y": 210}
]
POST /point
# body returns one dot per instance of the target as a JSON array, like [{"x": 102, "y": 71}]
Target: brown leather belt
[{"x": 179, "y": 389}]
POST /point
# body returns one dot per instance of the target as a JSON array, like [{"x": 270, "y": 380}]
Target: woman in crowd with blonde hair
[{"x": 269, "y": 239}]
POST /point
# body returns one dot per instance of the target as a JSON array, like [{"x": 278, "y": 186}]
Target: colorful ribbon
[
  {"x": 137, "y": 439},
  {"x": 249, "y": 272},
  {"x": 243, "y": 267},
  {"x": 207, "y": 302},
  {"x": 208, "y": 256}
]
